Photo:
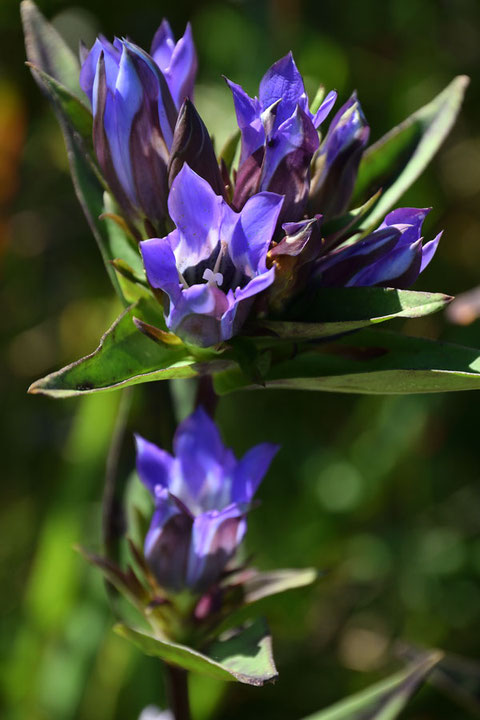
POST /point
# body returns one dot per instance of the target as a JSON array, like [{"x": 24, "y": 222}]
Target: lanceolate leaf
[
  {"x": 56, "y": 73},
  {"x": 245, "y": 656},
  {"x": 396, "y": 160},
  {"x": 259, "y": 585},
  {"x": 48, "y": 51},
  {"x": 74, "y": 110},
  {"x": 332, "y": 311},
  {"x": 386, "y": 699},
  {"x": 369, "y": 362},
  {"x": 125, "y": 357}
]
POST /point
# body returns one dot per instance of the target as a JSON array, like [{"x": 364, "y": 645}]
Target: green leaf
[
  {"x": 384, "y": 700},
  {"x": 455, "y": 676},
  {"x": 74, "y": 110},
  {"x": 48, "y": 51},
  {"x": 368, "y": 362},
  {"x": 124, "y": 357},
  {"x": 348, "y": 223},
  {"x": 245, "y": 656},
  {"x": 227, "y": 153},
  {"x": 57, "y": 75},
  {"x": 333, "y": 311},
  {"x": 396, "y": 160},
  {"x": 259, "y": 585}
]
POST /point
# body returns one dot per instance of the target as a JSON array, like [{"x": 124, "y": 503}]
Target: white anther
[{"x": 213, "y": 278}]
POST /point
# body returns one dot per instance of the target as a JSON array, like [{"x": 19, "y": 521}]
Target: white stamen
[
  {"x": 213, "y": 278},
  {"x": 182, "y": 280}
]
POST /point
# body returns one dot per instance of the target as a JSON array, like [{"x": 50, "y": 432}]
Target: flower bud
[
  {"x": 192, "y": 145},
  {"x": 336, "y": 166},
  {"x": 392, "y": 256}
]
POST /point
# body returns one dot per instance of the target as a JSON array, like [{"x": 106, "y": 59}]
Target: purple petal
[
  {"x": 399, "y": 268},
  {"x": 155, "y": 88},
  {"x": 183, "y": 68},
  {"x": 163, "y": 44},
  {"x": 428, "y": 251},
  {"x": 104, "y": 108},
  {"x": 168, "y": 542},
  {"x": 297, "y": 237},
  {"x": 253, "y": 231},
  {"x": 286, "y": 168},
  {"x": 199, "y": 435},
  {"x": 255, "y": 286},
  {"x": 297, "y": 132},
  {"x": 337, "y": 268},
  {"x": 241, "y": 302},
  {"x": 248, "y": 118},
  {"x": 248, "y": 178},
  {"x": 89, "y": 66},
  {"x": 196, "y": 315},
  {"x": 154, "y": 465},
  {"x": 409, "y": 220},
  {"x": 160, "y": 264},
  {"x": 283, "y": 82},
  {"x": 121, "y": 108},
  {"x": 215, "y": 539},
  {"x": 204, "y": 461},
  {"x": 196, "y": 211},
  {"x": 325, "y": 108},
  {"x": 250, "y": 471}
]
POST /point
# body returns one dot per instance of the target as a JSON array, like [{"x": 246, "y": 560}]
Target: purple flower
[
  {"x": 392, "y": 256},
  {"x": 337, "y": 162},
  {"x": 178, "y": 62},
  {"x": 202, "y": 494},
  {"x": 134, "y": 121},
  {"x": 213, "y": 264},
  {"x": 279, "y": 137}
]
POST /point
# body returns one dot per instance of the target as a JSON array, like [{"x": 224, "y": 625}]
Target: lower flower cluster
[{"x": 202, "y": 495}]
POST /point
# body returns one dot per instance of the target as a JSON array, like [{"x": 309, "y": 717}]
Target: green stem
[
  {"x": 113, "y": 520},
  {"x": 177, "y": 691},
  {"x": 206, "y": 395}
]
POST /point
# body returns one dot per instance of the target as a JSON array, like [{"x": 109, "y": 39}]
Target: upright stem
[
  {"x": 206, "y": 395},
  {"x": 177, "y": 691},
  {"x": 112, "y": 510}
]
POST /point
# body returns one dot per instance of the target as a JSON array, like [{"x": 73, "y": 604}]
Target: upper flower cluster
[
  {"x": 270, "y": 228},
  {"x": 202, "y": 494}
]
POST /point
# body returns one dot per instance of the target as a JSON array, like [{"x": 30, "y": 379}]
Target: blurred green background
[{"x": 382, "y": 493}]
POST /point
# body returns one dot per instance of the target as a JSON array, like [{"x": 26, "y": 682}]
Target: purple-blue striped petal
[
  {"x": 154, "y": 465},
  {"x": 336, "y": 166},
  {"x": 251, "y": 470},
  {"x": 177, "y": 61},
  {"x": 215, "y": 539},
  {"x": 391, "y": 256}
]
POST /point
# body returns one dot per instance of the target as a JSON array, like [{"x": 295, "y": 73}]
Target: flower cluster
[
  {"x": 249, "y": 239},
  {"x": 202, "y": 495}
]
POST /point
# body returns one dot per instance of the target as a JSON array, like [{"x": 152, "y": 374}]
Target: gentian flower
[
  {"x": 392, "y": 256},
  {"x": 336, "y": 165},
  {"x": 202, "y": 495},
  {"x": 134, "y": 120},
  {"x": 213, "y": 264},
  {"x": 178, "y": 62},
  {"x": 279, "y": 137}
]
